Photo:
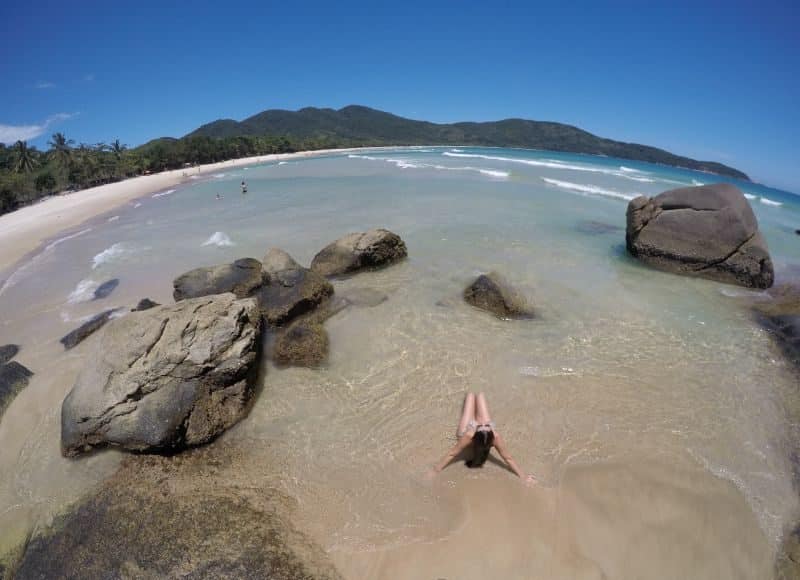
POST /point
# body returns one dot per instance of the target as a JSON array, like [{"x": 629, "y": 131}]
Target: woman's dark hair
[{"x": 481, "y": 445}]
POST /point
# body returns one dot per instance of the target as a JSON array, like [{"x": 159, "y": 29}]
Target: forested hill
[{"x": 361, "y": 126}]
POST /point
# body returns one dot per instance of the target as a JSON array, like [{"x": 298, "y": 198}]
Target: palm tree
[
  {"x": 118, "y": 149},
  {"x": 61, "y": 149},
  {"x": 25, "y": 161}
]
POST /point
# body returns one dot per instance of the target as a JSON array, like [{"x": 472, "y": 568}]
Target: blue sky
[{"x": 711, "y": 80}]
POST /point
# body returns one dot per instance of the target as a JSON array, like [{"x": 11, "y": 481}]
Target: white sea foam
[
  {"x": 110, "y": 254},
  {"x": 219, "y": 239},
  {"x": 750, "y": 196},
  {"x": 283, "y": 162},
  {"x": 628, "y": 169},
  {"x": 697, "y": 183},
  {"x": 403, "y": 164},
  {"x": 113, "y": 218},
  {"x": 163, "y": 193},
  {"x": 219, "y": 175},
  {"x": 588, "y": 189},
  {"x": 457, "y": 150},
  {"x": 137, "y": 204},
  {"x": 767, "y": 201},
  {"x": 83, "y": 292},
  {"x": 552, "y": 164},
  {"x": 55, "y": 243}
]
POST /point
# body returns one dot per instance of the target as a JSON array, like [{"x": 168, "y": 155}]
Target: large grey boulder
[
  {"x": 289, "y": 290},
  {"x": 708, "y": 231},
  {"x": 241, "y": 277},
  {"x": 7, "y": 352},
  {"x": 373, "y": 249},
  {"x": 493, "y": 293},
  {"x": 303, "y": 343},
  {"x": 165, "y": 378}
]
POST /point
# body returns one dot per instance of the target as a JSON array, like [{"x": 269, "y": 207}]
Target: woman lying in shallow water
[{"x": 477, "y": 429}]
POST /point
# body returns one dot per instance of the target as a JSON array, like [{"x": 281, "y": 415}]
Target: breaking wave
[
  {"x": 219, "y": 239},
  {"x": 83, "y": 292},
  {"x": 110, "y": 254},
  {"x": 163, "y": 193},
  {"x": 767, "y": 201},
  {"x": 588, "y": 189},
  {"x": 627, "y": 173},
  {"x": 403, "y": 164}
]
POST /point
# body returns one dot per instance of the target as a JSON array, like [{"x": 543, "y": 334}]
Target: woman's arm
[
  {"x": 500, "y": 445},
  {"x": 453, "y": 453}
]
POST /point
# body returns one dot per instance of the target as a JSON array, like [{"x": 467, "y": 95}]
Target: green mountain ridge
[{"x": 356, "y": 125}]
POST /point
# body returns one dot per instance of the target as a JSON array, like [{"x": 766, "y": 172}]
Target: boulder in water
[
  {"x": 708, "y": 231},
  {"x": 166, "y": 378},
  {"x": 105, "y": 289},
  {"x": 86, "y": 329},
  {"x": 290, "y": 292},
  {"x": 277, "y": 260},
  {"x": 302, "y": 343},
  {"x": 363, "y": 297},
  {"x": 145, "y": 304},
  {"x": 492, "y": 293},
  {"x": 372, "y": 249},
  {"x": 242, "y": 277},
  {"x": 13, "y": 378},
  {"x": 7, "y": 352},
  {"x": 779, "y": 313}
]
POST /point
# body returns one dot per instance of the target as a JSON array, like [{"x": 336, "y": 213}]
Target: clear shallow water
[{"x": 629, "y": 383}]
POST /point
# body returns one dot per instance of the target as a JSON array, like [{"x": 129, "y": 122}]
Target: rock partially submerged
[
  {"x": 779, "y": 313},
  {"x": 13, "y": 378},
  {"x": 145, "y": 304},
  {"x": 165, "y": 378},
  {"x": 185, "y": 516},
  {"x": 242, "y": 277},
  {"x": 708, "y": 231},
  {"x": 373, "y": 249},
  {"x": 303, "y": 343},
  {"x": 291, "y": 292},
  {"x": 86, "y": 329},
  {"x": 277, "y": 260},
  {"x": 363, "y": 297},
  {"x": 105, "y": 289},
  {"x": 7, "y": 352},
  {"x": 595, "y": 227},
  {"x": 492, "y": 293}
]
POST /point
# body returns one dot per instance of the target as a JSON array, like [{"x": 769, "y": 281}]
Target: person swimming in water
[
  {"x": 244, "y": 187},
  {"x": 476, "y": 429}
]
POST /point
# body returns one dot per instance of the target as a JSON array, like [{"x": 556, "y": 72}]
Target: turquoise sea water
[{"x": 628, "y": 378}]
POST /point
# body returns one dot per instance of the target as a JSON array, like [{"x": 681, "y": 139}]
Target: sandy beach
[{"x": 24, "y": 230}]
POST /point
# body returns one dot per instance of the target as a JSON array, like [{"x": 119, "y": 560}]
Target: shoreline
[{"x": 24, "y": 231}]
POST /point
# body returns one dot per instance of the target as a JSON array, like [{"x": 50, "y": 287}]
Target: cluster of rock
[
  {"x": 708, "y": 231},
  {"x": 164, "y": 378},
  {"x": 13, "y": 376}
]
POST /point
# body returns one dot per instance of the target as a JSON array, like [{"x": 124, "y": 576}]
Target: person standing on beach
[{"x": 477, "y": 430}]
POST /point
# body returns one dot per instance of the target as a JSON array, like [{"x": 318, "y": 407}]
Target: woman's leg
[
  {"x": 482, "y": 410},
  {"x": 467, "y": 414}
]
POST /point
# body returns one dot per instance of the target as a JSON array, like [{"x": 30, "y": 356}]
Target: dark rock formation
[
  {"x": 303, "y": 344},
  {"x": 89, "y": 327},
  {"x": 779, "y": 313},
  {"x": 165, "y": 378},
  {"x": 373, "y": 249},
  {"x": 787, "y": 563},
  {"x": 145, "y": 304},
  {"x": 7, "y": 352},
  {"x": 241, "y": 277},
  {"x": 105, "y": 289},
  {"x": 492, "y": 293},
  {"x": 708, "y": 231},
  {"x": 13, "y": 378},
  {"x": 290, "y": 293},
  {"x": 186, "y": 516}
]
